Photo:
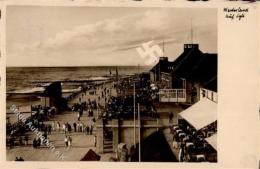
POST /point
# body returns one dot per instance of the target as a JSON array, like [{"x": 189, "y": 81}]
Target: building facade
[{"x": 182, "y": 79}]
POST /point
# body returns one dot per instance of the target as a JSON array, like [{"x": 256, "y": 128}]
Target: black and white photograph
[{"x": 111, "y": 84}]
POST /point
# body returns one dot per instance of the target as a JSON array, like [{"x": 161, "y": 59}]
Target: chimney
[
  {"x": 164, "y": 59},
  {"x": 188, "y": 47}
]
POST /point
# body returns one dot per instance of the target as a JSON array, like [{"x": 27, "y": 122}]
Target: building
[
  {"x": 182, "y": 79},
  {"x": 190, "y": 80},
  {"x": 163, "y": 66},
  {"x": 52, "y": 96}
]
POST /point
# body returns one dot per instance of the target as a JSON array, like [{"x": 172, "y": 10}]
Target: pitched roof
[
  {"x": 185, "y": 62},
  {"x": 205, "y": 69},
  {"x": 91, "y": 156},
  {"x": 193, "y": 65},
  {"x": 196, "y": 66},
  {"x": 212, "y": 84}
]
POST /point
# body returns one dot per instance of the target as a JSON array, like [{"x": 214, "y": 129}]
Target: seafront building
[
  {"x": 191, "y": 80},
  {"x": 186, "y": 89},
  {"x": 182, "y": 79}
]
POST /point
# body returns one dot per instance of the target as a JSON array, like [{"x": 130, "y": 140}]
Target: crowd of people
[
  {"x": 87, "y": 107},
  {"x": 39, "y": 115},
  {"x": 42, "y": 119},
  {"x": 19, "y": 159},
  {"x": 68, "y": 141},
  {"x": 43, "y": 113},
  {"x": 20, "y": 140},
  {"x": 123, "y": 104},
  {"x": 53, "y": 126},
  {"x": 78, "y": 126},
  {"x": 16, "y": 132},
  {"x": 191, "y": 143},
  {"x": 113, "y": 107}
]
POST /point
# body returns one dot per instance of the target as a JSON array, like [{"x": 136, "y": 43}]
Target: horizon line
[{"x": 79, "y": 66}]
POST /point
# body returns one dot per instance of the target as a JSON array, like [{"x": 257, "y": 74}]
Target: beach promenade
[{"x": 81, "y": 142}]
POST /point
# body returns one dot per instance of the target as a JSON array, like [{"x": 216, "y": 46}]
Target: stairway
[{"x": 108, "y": 145}]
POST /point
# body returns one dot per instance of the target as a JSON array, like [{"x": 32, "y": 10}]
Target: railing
[
  {"x": 172, "y": 95},
  {"x": 211, "y": 95}
]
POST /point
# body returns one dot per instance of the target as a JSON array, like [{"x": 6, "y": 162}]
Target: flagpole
[
  {"x": 134, "y": 117},
  {"x": 139, "y": 120},
  {"x": 191, "y": 32}
]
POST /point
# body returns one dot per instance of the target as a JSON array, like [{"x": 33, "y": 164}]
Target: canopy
[
  {"x": 201, "y": 114},
  {"x": 212, "y": 140}
]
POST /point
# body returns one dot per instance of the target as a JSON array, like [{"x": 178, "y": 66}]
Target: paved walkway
[
  {"x": 81, "y": 142},
  {"x": 169, "y": 138}
]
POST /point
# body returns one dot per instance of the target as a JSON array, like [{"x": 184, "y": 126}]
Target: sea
[{"x": 21, "y": 78}]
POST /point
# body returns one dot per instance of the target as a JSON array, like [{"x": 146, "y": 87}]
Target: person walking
[
  {"x": 45, "y": 135},
  {"x": 81, "y": 127},
  {"x": 34, "y": 143},
  {"x": 20, "y": 140},
  {"x": 181, "y": 153},
  {"x": 90, "y": 129},
  {"x": 87, "y": 129},
  {"x": 66, "y": 141},
  {"x": 95, "y": 141},
  {"x": 58, "y": 126},
  {"x": 64, "y": 127},
  {"x": 49, "y": 129},
  {"x": 70, "y": 141},
  {"x": 170, "y": 117},
  {"x": 42, "y": 141},
  {"x": 26, "y": 139},
  {"x": 78, "y": 127},
  {"x": 39, "y": 142},
  {"x": 79, "y": 116},
  {"x": 53, "y": 125},
  {"x": 69, "y": 128},
  {"x": 20, "y": 159},
  {"x": 46, "y": 129},
  {"x": 75, "y": 127}
]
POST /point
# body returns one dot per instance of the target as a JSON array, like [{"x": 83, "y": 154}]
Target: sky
[{"x": 99, "y": 36}]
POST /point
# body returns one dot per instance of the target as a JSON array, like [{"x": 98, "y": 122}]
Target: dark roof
[
  {"x": 91, "y": 156},
  {"x": 155, "y": 148},
  {"x": 185, "y": 63},
  {"x": 195, "y": 66},
  {"x": 205, "y": 69},
  {"x": 163, "y": 65},
  {"x": 211, "y": 84}
]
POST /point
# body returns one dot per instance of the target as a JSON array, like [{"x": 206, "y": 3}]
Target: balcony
[
  {"x": 211, "y": 95},
  {"x": 172, "y": 95}
]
